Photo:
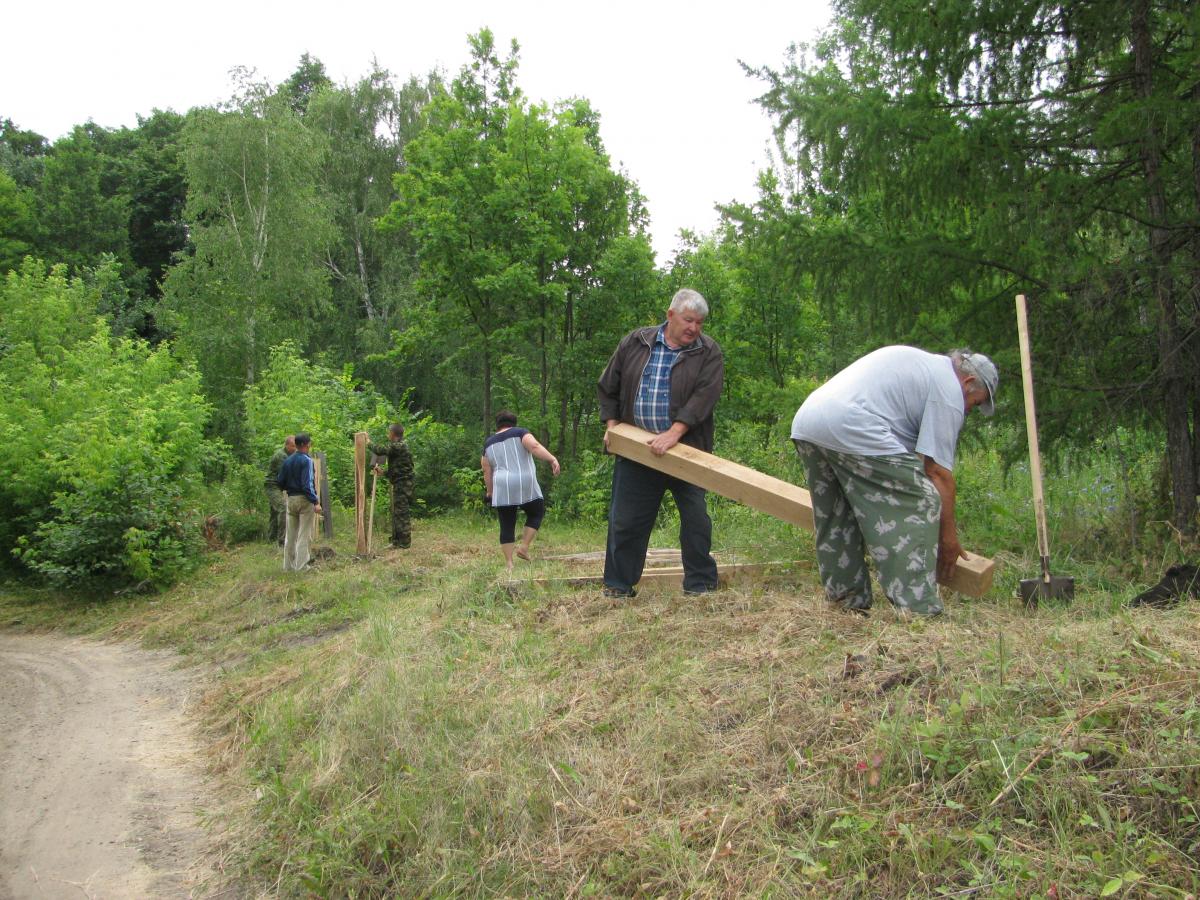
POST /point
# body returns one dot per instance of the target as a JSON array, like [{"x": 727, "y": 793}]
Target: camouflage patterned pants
[
  {"x": 278, "y": 522},
  {"x": 401, "y": 523},
  {"x": 882, "y": 507}
]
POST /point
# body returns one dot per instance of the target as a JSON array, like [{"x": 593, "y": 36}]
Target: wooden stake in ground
[
  {"x": 323, "y": 495},
  {"x": 361, "y": 439},
  {"x": 318, "y": 463},
  {"x": 972, "y": 575}
]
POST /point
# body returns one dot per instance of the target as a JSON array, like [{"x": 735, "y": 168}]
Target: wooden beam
[
  {"x": 671, "y": 574},
  {"x": 780, "y": 499},
  {"x": 323, "y": 493},
  {"x": 776, "y": 498},
  {"x": 361, "y": 439},
  {"x": 652, "y": 555}
]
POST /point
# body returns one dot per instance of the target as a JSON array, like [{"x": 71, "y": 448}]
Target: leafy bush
[
  {"x": 294, "y": 395},
  {"x": 128, "y": 530},
  {"x": 101, "y": 438},
  {"x": 239, "y": 503},
  {"x": 440, "y": 452},
  {"x": 583, "y": 489}
]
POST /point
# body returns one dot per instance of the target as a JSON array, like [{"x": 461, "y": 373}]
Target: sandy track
[{"x": 99, "y": 782}]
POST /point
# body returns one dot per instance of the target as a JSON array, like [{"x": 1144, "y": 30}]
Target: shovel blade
[{"x": 1059, "y": 587}]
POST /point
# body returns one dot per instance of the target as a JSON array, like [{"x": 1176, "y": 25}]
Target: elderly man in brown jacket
[{"x": 666, "y": 379}]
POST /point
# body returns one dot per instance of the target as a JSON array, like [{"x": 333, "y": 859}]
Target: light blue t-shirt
[{"x": 894, "y": 400}]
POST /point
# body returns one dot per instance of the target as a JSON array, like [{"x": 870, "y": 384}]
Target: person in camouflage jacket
[
  {"x": 275, "y": 497},
  {"x": 400, "y": 473}
]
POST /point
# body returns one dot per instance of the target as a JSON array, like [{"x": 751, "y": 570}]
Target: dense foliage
[
  {"x": 943, "y": 160},
  {"x": 101, "y": 437},
  {"x": 329, "y": 257}
]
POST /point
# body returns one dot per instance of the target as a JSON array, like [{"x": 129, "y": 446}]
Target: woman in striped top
[{"x": 511, "y": 482}]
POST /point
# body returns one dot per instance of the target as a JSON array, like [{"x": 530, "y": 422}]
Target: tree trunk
[
  {"x": 364, "y": 277},
  {"x": 564, "y": 377},
  {"x": 1175, "y": 380},
  {"x": 487, "y": 387},
  {"x": 1194, "y": 355}
]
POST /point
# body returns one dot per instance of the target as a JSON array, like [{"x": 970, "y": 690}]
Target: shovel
[
  {"x": 371, "y": 520},
  {"x": 1048, "y": 586}
]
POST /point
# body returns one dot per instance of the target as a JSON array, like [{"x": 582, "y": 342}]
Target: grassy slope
[{"x": 407, "y": 726}]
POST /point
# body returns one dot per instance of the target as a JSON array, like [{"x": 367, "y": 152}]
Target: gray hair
[{"x": 686, "y": 299}]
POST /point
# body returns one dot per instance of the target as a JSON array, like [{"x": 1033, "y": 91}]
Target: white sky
[{"x": 676, "y": 109}]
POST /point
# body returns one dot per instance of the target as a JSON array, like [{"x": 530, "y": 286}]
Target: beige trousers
[{"x": 301, "y": 516}]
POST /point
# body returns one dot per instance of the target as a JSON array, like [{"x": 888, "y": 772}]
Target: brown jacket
[{"x": 696, "y": 381}]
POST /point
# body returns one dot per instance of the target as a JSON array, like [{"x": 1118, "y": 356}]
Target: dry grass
[{"x": 463, "y": 740}]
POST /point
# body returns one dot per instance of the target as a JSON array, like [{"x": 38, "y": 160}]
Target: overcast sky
[{"x": 677, "y": 111}]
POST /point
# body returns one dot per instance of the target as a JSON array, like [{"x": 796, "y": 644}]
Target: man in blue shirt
[
  {"x": 296, "y": 479},
  {"x": 666, "y": 379}
]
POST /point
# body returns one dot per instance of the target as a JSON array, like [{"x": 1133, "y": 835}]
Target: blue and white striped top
[{"x": 514, "y": 478}]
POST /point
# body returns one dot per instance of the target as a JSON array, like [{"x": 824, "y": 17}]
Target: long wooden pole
[
  {"x": 323, "y": 495},
  {"x": 371, "y": 513},
  {"x": 783, "y": 500},
  {"x": 1035, "y": 453},
  {"x": 361, "y": 439}
]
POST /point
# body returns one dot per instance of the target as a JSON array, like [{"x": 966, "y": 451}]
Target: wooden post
[
  {"x": 323, "y": 495},
  {"x": 317, "y": 465},
  {"x": 361, "y": 439},
  {"x": 781, "y": 499}
]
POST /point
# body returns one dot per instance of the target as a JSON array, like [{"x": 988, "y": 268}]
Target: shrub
[
  {"x": 294, "y": 395},
  {"x": 101, "y": 438}
]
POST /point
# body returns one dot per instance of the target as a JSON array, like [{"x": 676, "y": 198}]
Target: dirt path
[{"x": 99, "y": 784}]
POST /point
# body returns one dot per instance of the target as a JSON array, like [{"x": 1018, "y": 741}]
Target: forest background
[{"x": 324, "y": 257}]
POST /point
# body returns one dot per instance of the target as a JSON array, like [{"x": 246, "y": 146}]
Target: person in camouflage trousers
[
  {"x": 276, "y": 497},
  {"x": 878, "y": 442},
  {"x": 400, "y": 474}
]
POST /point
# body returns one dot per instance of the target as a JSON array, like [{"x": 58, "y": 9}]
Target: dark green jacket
[
  {"x": 275, "y": 465},
  {"x": 399, "y": 463}
]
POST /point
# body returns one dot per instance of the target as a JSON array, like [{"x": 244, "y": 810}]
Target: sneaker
[{"x": 621, "y": 594}]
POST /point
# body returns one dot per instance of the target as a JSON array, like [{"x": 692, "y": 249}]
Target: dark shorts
[{"x": 535, "y": 511}]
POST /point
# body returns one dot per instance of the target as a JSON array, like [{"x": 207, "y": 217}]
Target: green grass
[{"x": 412, "y": 726}]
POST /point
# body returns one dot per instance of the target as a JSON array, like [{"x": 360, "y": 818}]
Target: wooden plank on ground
[
  {"x": 672, "y": 574},
  {"x": 654, "y": 553},
  {"x": 780, "y": 499}
]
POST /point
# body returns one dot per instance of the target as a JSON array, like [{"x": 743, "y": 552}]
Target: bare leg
[
  {"x": 527, "y": 537},
  {"x": 507, "y": 550}
]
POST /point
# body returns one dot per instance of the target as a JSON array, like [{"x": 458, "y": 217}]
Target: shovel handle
[
  {"x": 1035, "y": 455},
  {"x": 371, "y": 513}
]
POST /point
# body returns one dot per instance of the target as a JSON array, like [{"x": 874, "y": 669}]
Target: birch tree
[{"x": 260, "y": 227}]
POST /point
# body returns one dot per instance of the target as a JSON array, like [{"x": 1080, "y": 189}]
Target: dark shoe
[
  {"x": 617, "y": 593},
  {"x": 696, "y": 592},
  {"x": 1177, "y": 584}
]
